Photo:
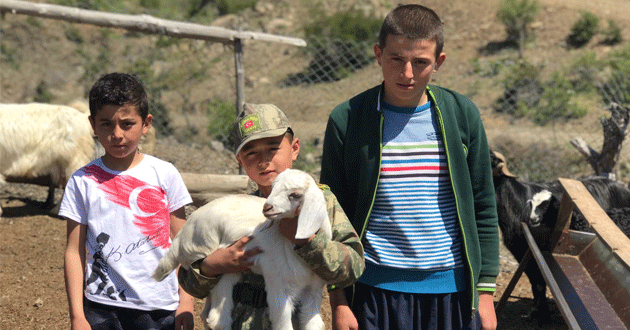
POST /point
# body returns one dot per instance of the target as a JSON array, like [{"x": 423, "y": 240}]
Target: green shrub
[
  {"x": 9, "y": 55},
  {"x": 233, "y": 6},
  {"x": 338, "y": 45},
  {"x": 522, "y": 90},
  {"x": 517, "y": 15},
  {"x": 488, "y": 69},
  {"x": 73, "y": 34},
  {"x": 33, "y": 21},
  {"x": 525, "y": 95},
  {"x": 616, "y": 87},
  {"x": 42, "y": 93},
  {"x": 612, "y": 35},
  {"x": 150, "y": 4},
  {"x": 351, "y": 25},
  {"x": 583, "y": 72},
  {"x": 583, "y": 30},
  {"x": 555, "y": 103},
  {"x": 222, "y": 116}
]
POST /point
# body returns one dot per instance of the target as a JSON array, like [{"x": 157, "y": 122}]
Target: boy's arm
[
  {"x": 184, "y": 314},
  {"x": 484, "y": 202},
  {"x": 205, "y": 273},
  {"x": 74, "y": 267},
  {"x": 339, "y": 261}
]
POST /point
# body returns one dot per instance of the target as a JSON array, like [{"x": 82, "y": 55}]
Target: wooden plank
[
  {"x": 564, "y": 221},
  {"x": 599, "y": 221},
  {"x": 141, "y": 23},
  {"x": 215, "y": 183}
]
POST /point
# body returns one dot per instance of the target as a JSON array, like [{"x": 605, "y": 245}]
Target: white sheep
[
  {"x": 43, "y": 144},
  {"x": 288, "y": 279}
]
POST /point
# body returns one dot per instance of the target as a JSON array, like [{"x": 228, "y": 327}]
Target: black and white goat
[{"x": 537, "y": 204}]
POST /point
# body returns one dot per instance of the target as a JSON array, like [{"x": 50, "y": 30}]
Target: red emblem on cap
[{"x": 248, "y": 124}]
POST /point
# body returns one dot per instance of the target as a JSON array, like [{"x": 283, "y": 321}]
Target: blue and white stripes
[{"x": 413, "y": 223}]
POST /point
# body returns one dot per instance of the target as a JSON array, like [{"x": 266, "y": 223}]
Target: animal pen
[
  {"x": 587, "y": 273},
  {"x": 203, "y": 187}
]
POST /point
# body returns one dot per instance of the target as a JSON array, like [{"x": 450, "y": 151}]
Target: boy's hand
[
  {"x": 184, "y": 319},
  {"x": 232, "y": 259},
  {"x": 288, "y": 228},
  {"x": 486, "y": 311},
  {"x": 80, "y": 324},
  {"x": 342, "y": 316}
]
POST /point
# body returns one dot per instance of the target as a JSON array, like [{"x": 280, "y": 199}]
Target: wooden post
[{"x": 240, "y": 81}]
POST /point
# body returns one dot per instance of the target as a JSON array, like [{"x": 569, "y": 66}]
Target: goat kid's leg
[
  {"x": 219, "y": 312},
  {"x": 310, "y": 317},
  {"x": 205, "y": 311},
  {"x": 541, "y": 310},
  {"x": 280, "y": 304}
]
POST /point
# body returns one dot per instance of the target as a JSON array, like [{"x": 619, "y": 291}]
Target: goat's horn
[{"x": 501, "y": 168}]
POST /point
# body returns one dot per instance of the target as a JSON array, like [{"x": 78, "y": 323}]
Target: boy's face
[
  {"x": 119, "y": 129},
  {"x": 407, "y": 69},
  {"x": 263, "y": 159}
]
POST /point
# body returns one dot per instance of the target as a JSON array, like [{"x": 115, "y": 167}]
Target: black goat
[{"x": 537, "y": 204}]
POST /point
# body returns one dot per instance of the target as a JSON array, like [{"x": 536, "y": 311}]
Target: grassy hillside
[{"x": 190, "y": 82}]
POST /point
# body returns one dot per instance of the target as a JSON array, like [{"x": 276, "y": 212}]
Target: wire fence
[{"x": 192, "y": 83}]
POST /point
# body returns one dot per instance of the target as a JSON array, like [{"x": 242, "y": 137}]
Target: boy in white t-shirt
[{"x": 123, "y": 209}]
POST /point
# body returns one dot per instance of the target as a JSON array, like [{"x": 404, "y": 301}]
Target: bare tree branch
[{"x": 614, "y": 128}]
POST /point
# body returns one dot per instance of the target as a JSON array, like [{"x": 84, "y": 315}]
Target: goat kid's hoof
[
  {"x": 315, "y": 324},
  {"x": 215, "y": 322}
]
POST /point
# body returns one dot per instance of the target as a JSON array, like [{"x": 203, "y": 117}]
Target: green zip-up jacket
[{"x": 351, "y": 166}]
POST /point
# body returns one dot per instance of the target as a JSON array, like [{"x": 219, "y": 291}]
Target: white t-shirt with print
[{"x": 127, "y": 214}]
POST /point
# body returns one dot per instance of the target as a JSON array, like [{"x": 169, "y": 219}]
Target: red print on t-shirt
[{"x": 148, "y": 203}]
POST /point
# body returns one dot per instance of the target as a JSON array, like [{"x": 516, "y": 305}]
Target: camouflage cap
[{"x": 259, "y": 121}]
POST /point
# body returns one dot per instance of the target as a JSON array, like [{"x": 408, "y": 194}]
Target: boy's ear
[
  {"x": 378, "y": 53},
  {"x": 147, "y": 124},
  {"x": 295, "y": 148},
  {"x": 438, "y": 61}
]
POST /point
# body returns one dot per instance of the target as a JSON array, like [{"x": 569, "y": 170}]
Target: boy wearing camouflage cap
[{"x": 266, "y": 146}]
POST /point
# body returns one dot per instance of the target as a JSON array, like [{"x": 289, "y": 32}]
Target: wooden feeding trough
[{"x": 587, "y": 273}]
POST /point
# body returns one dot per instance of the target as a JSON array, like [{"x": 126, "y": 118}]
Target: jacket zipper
[
  {"x": 459, "y": 218},
  {"x": 378, "y": 175}
]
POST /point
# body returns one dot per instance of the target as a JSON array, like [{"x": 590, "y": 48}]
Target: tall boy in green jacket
[{"x": 410, "y": 165}]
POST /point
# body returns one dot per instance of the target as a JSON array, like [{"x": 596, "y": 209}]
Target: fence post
[{"x": 240, "y": 81}]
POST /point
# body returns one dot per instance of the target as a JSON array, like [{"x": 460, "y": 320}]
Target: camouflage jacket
[{"x": 339, "y": 262}]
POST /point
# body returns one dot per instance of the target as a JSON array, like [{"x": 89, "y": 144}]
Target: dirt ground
[{"x": 32, "y": 242}]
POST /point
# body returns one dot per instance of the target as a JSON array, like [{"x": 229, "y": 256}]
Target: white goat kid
[{"x": 288, "y": 279}]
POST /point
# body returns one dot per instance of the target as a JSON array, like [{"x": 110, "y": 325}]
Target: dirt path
[{"x": 32, "y": 292}]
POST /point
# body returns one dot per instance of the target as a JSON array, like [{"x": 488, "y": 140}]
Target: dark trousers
[
  {"x": 378, "y": 309},
  {"x": 105, "y": 317}
]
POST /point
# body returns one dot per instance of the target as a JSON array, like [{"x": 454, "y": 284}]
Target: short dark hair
[
  {"x": 414, "y": 22},
  {"x": 118, "y": 89}
]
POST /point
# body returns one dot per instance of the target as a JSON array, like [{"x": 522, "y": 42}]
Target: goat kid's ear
[{"x": 313, "y": 213}]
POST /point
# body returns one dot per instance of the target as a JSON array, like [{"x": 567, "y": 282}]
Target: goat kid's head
[
  {"x": 295, "y": 193},
  {"x": 537, "y": 206}
]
